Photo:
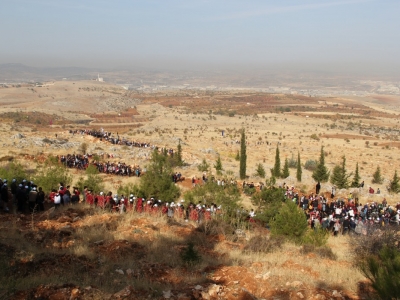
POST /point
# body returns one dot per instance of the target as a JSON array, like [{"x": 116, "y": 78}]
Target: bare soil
[{"x": 40, "y": 252}]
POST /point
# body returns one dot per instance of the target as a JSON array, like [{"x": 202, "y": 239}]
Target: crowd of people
[
  {"x": 122, "y": 204},
  {"x": 118, "y": 140},
  {"x": 344, "y": 214},
  {"x": 82, "y": 162},
  {"x": 338, "y": 215},
  {"x": 25, "y": 195}
]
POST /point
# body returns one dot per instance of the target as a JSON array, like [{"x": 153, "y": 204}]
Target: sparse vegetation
[
  {"x": 276, "y": 170},
  {"x": 377, "y": 177},
  {"x": 243, "y": 155},
  {"x": 260, "y": 171},
  {"x": 321, "y": 172},
  {"x": 339, "y": 176}
]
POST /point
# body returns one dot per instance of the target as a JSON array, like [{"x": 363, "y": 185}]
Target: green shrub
[
  {"x": 190, "y": 256},
  {"x": 311, "y": 165},
  {"x": 290, "y": 222},
  {"x": 13, "y": 170},
  {"x": 130, "y": 188},
  {"x": 51, "y": 173},
  {"x": 323, "y": 252},
  {"x": 377, "y": 177},
  {"x": 292, "y": 163},
  {"x": 156, "y": 182},
  {"x": 384, "y": 272},
  {"x": 260, "y": 171},
  {"x": 314, "y": 137},
  {"x": 264, "y": 244},
  {"x": 228, "y": 196},
  {"x": 216, "y": 227},
  {"x": 204, "y": 166},
  {"x": 316, "y": 237}
]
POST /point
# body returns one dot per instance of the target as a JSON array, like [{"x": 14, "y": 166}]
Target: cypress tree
[
  {"x": 179, "y": 160},
  {"x": 218, "y": 165},
  {"x": 377, "y": 177},
  {"x": 243, "y": 156},
  {"x": 356, "y": 179},
  {"x": 321, "y": 173},
  {"x": 340, "y": 176},
  {"x": 299, "y": 171},
  {"x": 276, "y": 171},
  {"x": 285, "y": 171},
  {"x": 394, "y": 184}
]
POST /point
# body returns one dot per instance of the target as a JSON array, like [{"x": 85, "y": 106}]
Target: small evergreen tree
[
  {"x": 299, "y": 171},
  {"x": 83, "y": 148},
  {"x": 179, "y": 160},
  {"x": 356, "y": 178},
  {"x": 276, "y": 171},
  {"x": 204, "y": 166},
  {"x": 51, "y": 173},
  {"x": 292, "y": 162},
  {"x": 268, "y": 201},
  {"x": 394, "y": 183},
  {"x": 243, "y": 156},
  {"x": 339, "y": 176},
  {"x": 237, "y": 157},
  {"x": 93, "y": 180},
  {"x": 260, "y": 170},
  {"x": 218, "y": 165},
  {"x": 190, "y": 256},
  {"x": 377, "y": 177},
  {"x": 13, "y": 170},
  {"x": 228, "y": 196},
  {"x": 290, "y": 222},
  {"x": 321, "y": 173},
  {"x": 157, "y": 182},
  {"x": 285, "y": 171},
  {"x": 384, "y": 272}
]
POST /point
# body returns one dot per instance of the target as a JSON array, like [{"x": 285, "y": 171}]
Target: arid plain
[
  {"x": 36, "y": 122},
  {"x": 364, "y": 130}
]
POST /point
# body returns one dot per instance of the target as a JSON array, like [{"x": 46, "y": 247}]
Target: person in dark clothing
[
  {"x": 21, "y": 198},
  {"x": 75, "y": 197},
  {"x": 40, "y": 199},
  {"x": 14, "y": 187},
  {"x": 346, "y": 225},
  {"x": 318, "y": 188},
  {"x": 4, "y": 196}
]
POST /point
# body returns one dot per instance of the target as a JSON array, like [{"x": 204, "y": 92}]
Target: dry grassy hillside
[{"x": 98, "y": 254}]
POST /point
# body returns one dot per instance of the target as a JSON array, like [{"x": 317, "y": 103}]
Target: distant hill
[{"x": 15, "y": 72}]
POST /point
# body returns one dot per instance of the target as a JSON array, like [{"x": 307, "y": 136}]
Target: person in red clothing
[
  {"x": 107, "y": 200},
  {"x": 89, "y": 198},
  {"x": 207, "y": 214},
  {"x": 101, "y": 200},
  {"x": 154, "y": 209},
  {"x": 165, "y": 208},
  {"x": 180, "y": 211},
  {"x": 193, "y": 214},
  {"x": 52, "y": 195},
  {"x": 147, "y": 207},
  {"x": 139, "y": 204}
]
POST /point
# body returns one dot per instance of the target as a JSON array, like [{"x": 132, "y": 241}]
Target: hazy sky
[{"x": 187, "y": 34}]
